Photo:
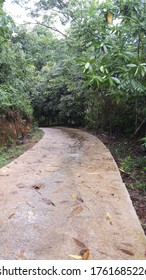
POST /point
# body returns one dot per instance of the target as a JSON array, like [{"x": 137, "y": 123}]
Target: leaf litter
[
  {"x": 76, "y": 211},
  {"x": 80, "y": 199},
  {"x": 48, "y": 201},
  {"x": 127, "y": 252},
  {"x": 22, "y": 255},
  {"x": 84, "y": 251},
  {"x": 11, "y": 215},
  {"x": 30, "y": 214},
  {"x": 109, "y": 218}
]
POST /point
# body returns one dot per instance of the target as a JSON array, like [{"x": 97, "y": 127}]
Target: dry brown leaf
[
  {"x": 11, "y": 215},
  {"x": 80, "y": 199},
  {"x": 29, "y": 204},
  {"x": 48, "y": 201},
  {"x": 76, "y": 257},
  {"x": 79, "y": 243},
  {"x": 58, "y": 182},
  {"x": 85, "y": 254},
  {"x": 127, "y": 252},
  {"x": 82, "y": 182},
  {"x": 22, "y": 256},
  {"x": 38, "y": 186},
  {"x": 109, "y": 218},
  {"x": 76, "y": 211}
]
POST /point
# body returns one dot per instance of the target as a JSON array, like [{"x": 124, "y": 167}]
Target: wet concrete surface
[{"x": 63, "y": 192}]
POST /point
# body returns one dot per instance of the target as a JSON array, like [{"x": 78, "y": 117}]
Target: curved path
[{"x": 63, "y": 194}]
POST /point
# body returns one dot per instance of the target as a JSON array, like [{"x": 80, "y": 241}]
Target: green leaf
[
  {"x": 143, "y": 72},
  {"x": 86, "y": 67},
  {"x": 92, "y": 60},
  {"x": 132, "y": 65},
  {"x": 136, "y": 71},
  {"x": 102, "y": 69},
  {"x": 116, "y": 80}
]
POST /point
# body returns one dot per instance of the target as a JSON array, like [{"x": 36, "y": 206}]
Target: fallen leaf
[
  {"x": 125, "y": 251},
  {"x": 21, "y": 255},
  {"x": 73, "y": 196},
  {"x": 76, "y": 211},
  {"x": 80, "y": 199},
  {"x": 79, "y": 243},
  {"x": 85, "y": 254},
  {"x": 109, "y": 218},
  {"x": 20, "y": 186},
  {"x": 29, "y": 204},
  {"x": 76, "y": 257},
  {"x": 48, "y": 201},
  {"x": 11, "y": 215},
  {"x": 30, "y": 214},
  {"x": 38, "y": 186},
  {"x": 122, "y": 170}
]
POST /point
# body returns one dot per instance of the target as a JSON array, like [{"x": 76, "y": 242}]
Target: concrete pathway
[{"x": 64, "y": 195}]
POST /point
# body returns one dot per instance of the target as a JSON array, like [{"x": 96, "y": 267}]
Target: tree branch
[{"x": 47, "y": 26}]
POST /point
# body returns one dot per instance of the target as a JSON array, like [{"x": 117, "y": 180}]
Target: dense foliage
[
  {"x": 93, "y": 75},
  {"x": 14, "y": 70}
]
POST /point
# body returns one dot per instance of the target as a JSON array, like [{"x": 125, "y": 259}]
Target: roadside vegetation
[{"x": 13, "y": 149}]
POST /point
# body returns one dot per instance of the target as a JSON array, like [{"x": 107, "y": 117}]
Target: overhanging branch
[{"x": 47, "y": 26}]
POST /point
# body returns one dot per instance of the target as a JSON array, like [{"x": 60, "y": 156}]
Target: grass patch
[{"x": 14, "y": 149}]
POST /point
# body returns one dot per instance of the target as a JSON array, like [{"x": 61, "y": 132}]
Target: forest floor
[
  {"x": 131, "y": 160},
  {"x": 63, "y": 199}
]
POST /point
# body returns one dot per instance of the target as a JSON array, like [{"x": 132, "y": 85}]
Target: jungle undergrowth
[{"x": 14, "y": 149}]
